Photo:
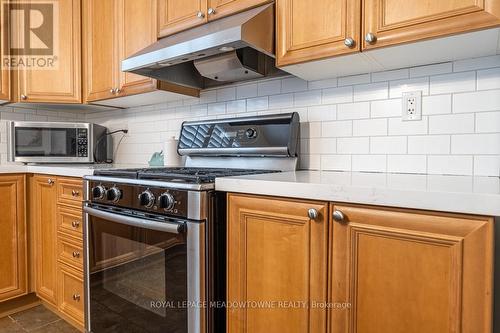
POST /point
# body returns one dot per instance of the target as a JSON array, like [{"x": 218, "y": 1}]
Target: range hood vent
[{"x": 235, "y": 48}]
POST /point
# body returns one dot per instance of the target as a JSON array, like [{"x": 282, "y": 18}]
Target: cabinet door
[
  {"x": 100, "y": 49},
  {"x": 408, "y": 271},
  {"x": 133, "y": 14},
  {"x": 221, "y": 8},
  {"x": 4, "y": 74},
  {"x": 391, "y": 22},
  {"x": 315, "y": 29},
  {"x": 175, "y": 16},
  {"x": 277, "y": 264},
  {"x": 13, "y": 264},
  {"x": 44, "y": 216},
  {"x": 62, "y": 84}
]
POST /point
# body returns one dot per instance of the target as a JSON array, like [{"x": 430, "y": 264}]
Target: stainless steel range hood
[{"x": 235, "y": 48}]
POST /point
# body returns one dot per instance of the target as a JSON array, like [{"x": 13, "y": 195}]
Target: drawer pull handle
[
  {"x": 75, "y": 193},
  {"x": 50, "y": 181},
  {"x": 75, "y": 224},
  {"x": 338, "y": 216},
  {"x": 76, "y": 254},
  {"x": 76, "y": 297}
]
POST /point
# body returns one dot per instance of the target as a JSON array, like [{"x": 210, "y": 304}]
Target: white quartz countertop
[
  {"x": 68, "y": 170},
  {"x": 461, "y": 194}
]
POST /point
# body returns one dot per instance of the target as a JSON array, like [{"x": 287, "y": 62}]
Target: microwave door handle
[{"x": 173, "y": 228}]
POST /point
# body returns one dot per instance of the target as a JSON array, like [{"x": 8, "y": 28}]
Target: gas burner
[{"x": 179, "y": 174}]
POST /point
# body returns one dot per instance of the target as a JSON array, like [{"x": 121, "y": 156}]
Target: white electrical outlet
[{"x": 412, "y": 105}]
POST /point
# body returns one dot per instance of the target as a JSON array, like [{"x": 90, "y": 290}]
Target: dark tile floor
[{"x": 36, "y": 320}]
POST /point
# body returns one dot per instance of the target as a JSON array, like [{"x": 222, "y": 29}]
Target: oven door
[{"x": 143, "y": 275}]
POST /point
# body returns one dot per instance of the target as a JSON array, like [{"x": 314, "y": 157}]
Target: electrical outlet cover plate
[{"x": 412, "y": 105}]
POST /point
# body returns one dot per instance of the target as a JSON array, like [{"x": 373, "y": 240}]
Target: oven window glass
[
  {"x": 33, "y": 141},
  {"x": 138, "y": 279}
]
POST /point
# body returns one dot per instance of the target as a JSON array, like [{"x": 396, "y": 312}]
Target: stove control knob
[
  {"x": 98, "y": 192},
  {"x": 166, "y": 201},
  {"x": 251, "y": 133},
  {"x": 147, "y": 199},
  {"x": 114, "y": 194}
]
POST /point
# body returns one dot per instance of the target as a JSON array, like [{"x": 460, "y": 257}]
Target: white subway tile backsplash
[
  {"x": 399, "y": 127},
  {"x": 479, "y": 144},
  {"x": 369, "y": 163},
  {"x": 436, "y": 104},
  {"x": 388, "y": 145},
  {"x": 488, "y": 100},
  {"x": 322, "y": 113},
  {"x": 429, "y": 144},
  {"x": 337, "y": 95},
  {"x": 397, "y": 87},
  {"x": 451, "y": 124},
  {"x": 449, "y": 165},
  {"x": 386, "y": 108},
  {"x": 434, "y": 69},
  {"x": 349, "y": 123},
  {"x": 407, "y": 163},
  {"x": 293, "y": 84},
  {"x": 353, "y": 79},
  {"x": 488, "y": 122},
  {"x": 396, "y": 74},
  {"x": 371, "y": 91},
  {"x": 487, "y": 166},
  {"x": 336, "y": 128},
  {"x": 353, "y": 145},
  {"x": 267, "y": 88},
  {"x": 370, "y": 127},
  {"x": 453, "y": 83},
  {"x": 353, "y": 111},
  {"x": 488, "y": 79}
]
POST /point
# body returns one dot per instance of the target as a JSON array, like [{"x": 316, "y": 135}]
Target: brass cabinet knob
[
  {"x": 76, "y": 254},
  {"x": 50, "y": 181},
  {"x": 75, "y": 193},
  {"x": 349, "y": 42},
  {"x": 370, "y": 38},
  {"x": 200, "y": 15},
  {"x": 75, "y": 224},
  {"x": 118, "y": 90},
  {"x": 112, "y": 91},
  {"x": 24, "y": 97},
  {"x": 76, "y": 297},
  {"x": 338, "y": 216},
  {"x": 211, "y": 11}
]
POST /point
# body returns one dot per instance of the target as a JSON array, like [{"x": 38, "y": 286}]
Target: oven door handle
[{"x": 173, "y": 228}]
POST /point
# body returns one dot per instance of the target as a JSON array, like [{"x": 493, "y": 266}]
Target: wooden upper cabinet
[
  {"x": 220, "y": 8},
  {"x": 175, "y": 15},
  {"x": 44, "y": 216},
  {"x": 409, "y": 271},
  {"x": 276, "y": 253},
  {"x": 4, "y": 74},
  {"x": 100, "y": 49},
  {"x": 62, "y": 84},
  {"x": 394, "y": 22},
  {"x": 133, "y": 14},
  {"x": 312, "y": 30},
  {"x": 13, "y": 245}
]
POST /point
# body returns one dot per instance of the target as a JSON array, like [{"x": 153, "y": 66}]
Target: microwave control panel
[{"x": 82, "y": 143}]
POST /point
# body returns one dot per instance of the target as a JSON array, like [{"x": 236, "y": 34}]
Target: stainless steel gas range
[{"x": 155, "y": 238}]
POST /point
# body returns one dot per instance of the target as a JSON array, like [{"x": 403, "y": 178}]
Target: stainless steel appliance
[
  {"x": 57, "y": 142},
  {"x": 155, "y": 238},
  {"x": 235, "y": 48}
]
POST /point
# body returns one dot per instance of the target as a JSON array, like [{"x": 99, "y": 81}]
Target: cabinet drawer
[
  {"x": 71, "y": 293},
  {"x": 70, "y": 191},
  {"x": 69, "y": 220},
  {"x": 70, "y": 251}
]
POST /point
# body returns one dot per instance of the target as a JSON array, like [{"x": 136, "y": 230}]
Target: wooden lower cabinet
[
  {"x": 44, "y": 218},
  {"x": 277, "y": 260},
  {"x": 13, "y": 245},
  {"x": 70, "y": 289},
  {"x": 410, "y": 271}
]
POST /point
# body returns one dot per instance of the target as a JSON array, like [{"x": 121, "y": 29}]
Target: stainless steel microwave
[{"x": 57, "y": 142}]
